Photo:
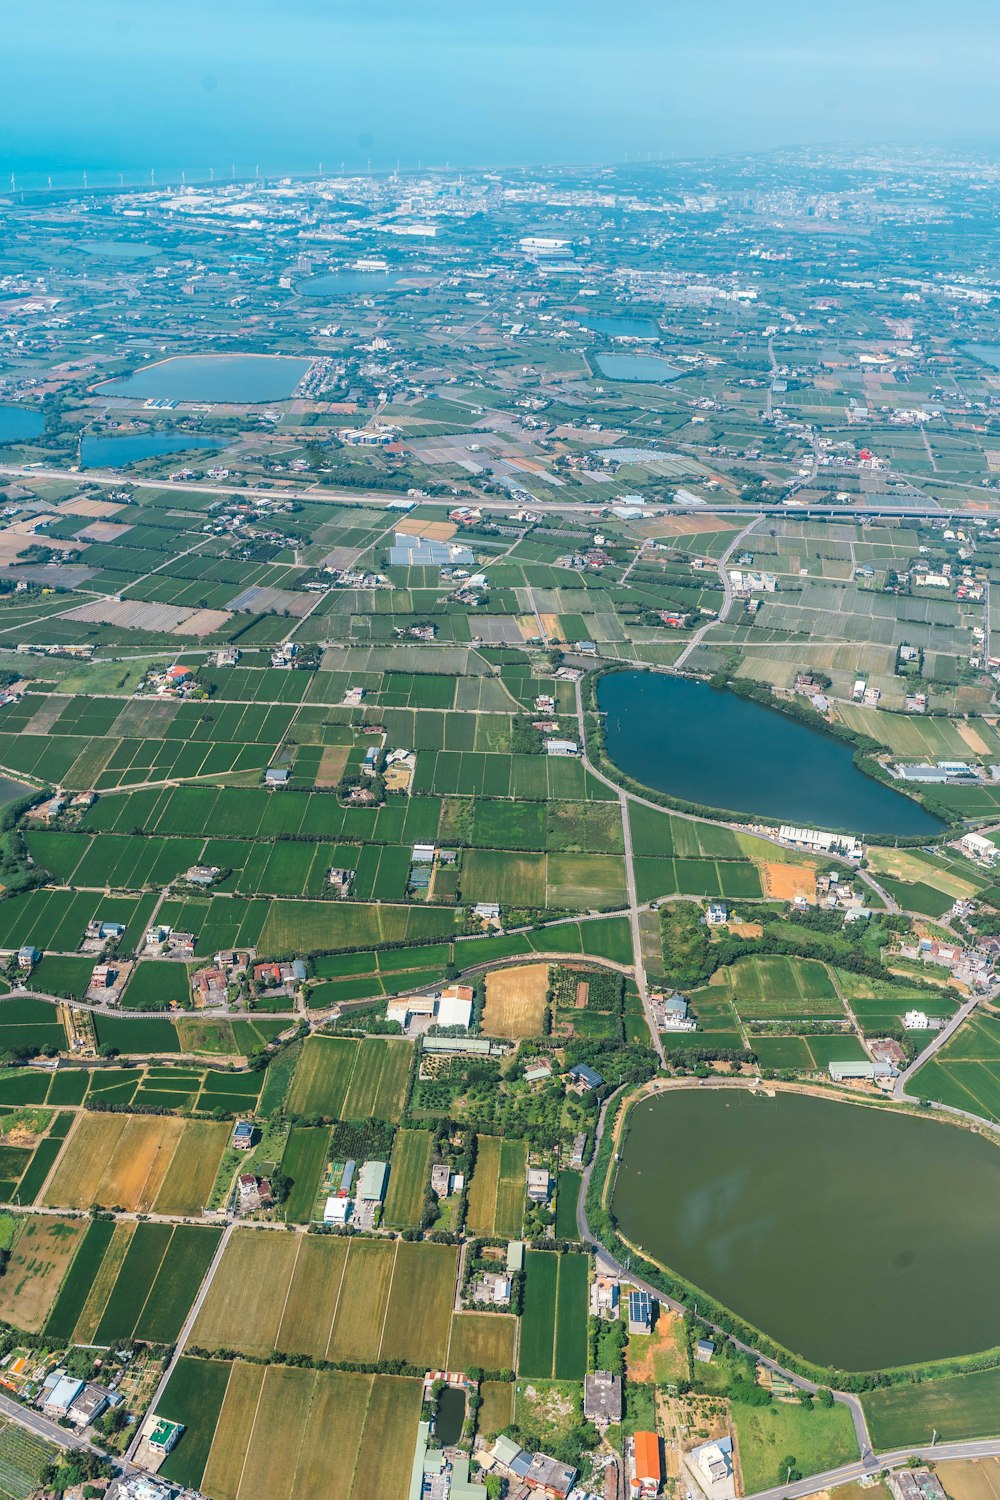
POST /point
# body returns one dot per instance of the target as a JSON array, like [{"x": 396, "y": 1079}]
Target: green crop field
[
  {"x": 409, "y": 1178},
  {"x": 76, "y": 1287},
  {"x": 567, "y": 1193},
  {"x": 302, "y": 1163},
  {"x": 341, "y": 1078},
  {"x": 966, "y": 1072},
  {"x": 157, "y": 1282},
  {"x": 193, "y": 1397},
  {"x": 963, "y": 1406},
  {"x": 538, "y": 1318}
]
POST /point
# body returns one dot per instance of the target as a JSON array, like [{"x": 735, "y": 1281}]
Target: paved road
[
  {"x": 184, "y": 1334},
  {"x": 843, "y": 1398},
  {"x": 727, "y": 602},
  {"x": 944, "y": 1035},
  {"x": 633, "y": 900},
  {"x": 34, "y": 1422},
  {"x": 365, "y": 498},
  {"x": 975, "y": 1448}
]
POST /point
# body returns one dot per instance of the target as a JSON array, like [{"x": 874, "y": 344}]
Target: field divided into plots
[
  {"x": 496, "y": 1192},
  {"x": 99, "y": 1282},
  {"x": 140, "y": 1163},
  {"x": 554, "y": 1321},
  {"x": 251, "y": 1431},
  {"x": 345, "y": 1079},
  {"x": 965, "y": 1074},
  {"x": 355, "y": 1299}
]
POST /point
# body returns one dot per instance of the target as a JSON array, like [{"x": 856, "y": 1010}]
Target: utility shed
[{"x": 372, "y": 1182}]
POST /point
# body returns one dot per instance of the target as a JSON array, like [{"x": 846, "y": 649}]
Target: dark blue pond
[{"x": 720, "y": 750}]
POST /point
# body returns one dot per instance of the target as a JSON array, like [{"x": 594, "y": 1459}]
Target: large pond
[
  {"x": 987, "y": 354},
  {"x": 648, "y": 368},
  {"x": 623, "y": 328},
  {"x": 19, "y": 423},
  {"x": 349, "y": 284},
  {"x": 715, "y": 748},
  {"x": 113, "y": 452},
  {"x": 854, "y": 1237},
  {"x": 213, "y": 377}
]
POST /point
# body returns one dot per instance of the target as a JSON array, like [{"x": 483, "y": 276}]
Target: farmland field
[
  {"x": 966, "y": 1072},
  {"x": 409, "y": 1178},
  {"x": 41, "y": 1254},
  {"x": 276, "y": 1428},
  {"x": 484, "y": 1339},
  {"x": 303, "y": 1162},
  {"x": 359, "y": 1300},
  {"x": 963, "y": 1406},
  {"x": 341, "y": 1078},
  {"x": 496, "y": 1192},
  {"x": 554, "y": 1323},
  {"x": 515, "y": 1001},
  {"x": 138, "y": 1162}
]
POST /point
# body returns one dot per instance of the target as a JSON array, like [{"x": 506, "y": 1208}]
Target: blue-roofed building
[
  {"x": 243, "y": 1135},
  {"x": 585, "y": 1077},
  {"x": 640, "y": 1312},
  {"x": 421, "y": 552}
]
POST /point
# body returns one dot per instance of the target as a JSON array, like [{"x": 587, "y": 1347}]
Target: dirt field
[
  {"x": 550, "y": 624},
  {"x": 331, "y": 765},
  {"x": 971, "y": 1479},
  {"x": 746, "y": 929},
  {"x": 118, "y": 1161},
  {"x": 515, "y": 1001},
  {"x": 528, "y": 626},
  {"x": 683, "y": 525},
  {"x": 783, "y": 882},
  {"x": 975, "y": 741},
  {"x": 659, "y": 1357},
  {"x": 38, "y": 1262},
  {"x": 434, "y": 531}
]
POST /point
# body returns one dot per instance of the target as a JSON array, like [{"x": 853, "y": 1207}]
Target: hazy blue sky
[{"x": 189, "y": 83}]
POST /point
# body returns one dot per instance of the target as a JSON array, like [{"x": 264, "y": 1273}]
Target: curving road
[
  {"x": 868, "y": 1463},
  {"x": 844, "y": 1398}
]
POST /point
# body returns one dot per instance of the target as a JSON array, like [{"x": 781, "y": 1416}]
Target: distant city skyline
[{"x": 108, "y": 85}]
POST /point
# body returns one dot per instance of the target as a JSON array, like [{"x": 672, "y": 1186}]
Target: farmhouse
[
  {"x": 647, "y": 1470},
  {"x": 164, "y": 1435},
  {"x": 876, "y": 1072},
  {"x": 539, "y": 1184},
  {"x": 209, "y": 986},
  {"x": 243, "y": 1135},
  {"x": 604, "y": 1297},
  {"x": 980, "y": 848},
  {"x": 640, "y": 1312},
  {"x": 337, "y": 1210},
  {"x": 583, "y": 1078}
]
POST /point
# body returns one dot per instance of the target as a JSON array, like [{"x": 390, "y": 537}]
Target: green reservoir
[
  {"x": 712, "y": 747},
  {"x": 857, "y": 1238}
]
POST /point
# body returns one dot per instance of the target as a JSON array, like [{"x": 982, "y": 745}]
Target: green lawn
[{"x": 818, "y": 1440}]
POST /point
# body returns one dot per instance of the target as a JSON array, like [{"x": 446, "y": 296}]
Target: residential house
[
  {"x": 539, "y": 1184},
  {"x": 647, "y": 1467},
  {"x": 243, "y": 1135},
  {"x": 640, "y": 1312}
]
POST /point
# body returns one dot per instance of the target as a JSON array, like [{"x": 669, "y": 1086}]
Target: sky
[{"x": 134, "y": 85}]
